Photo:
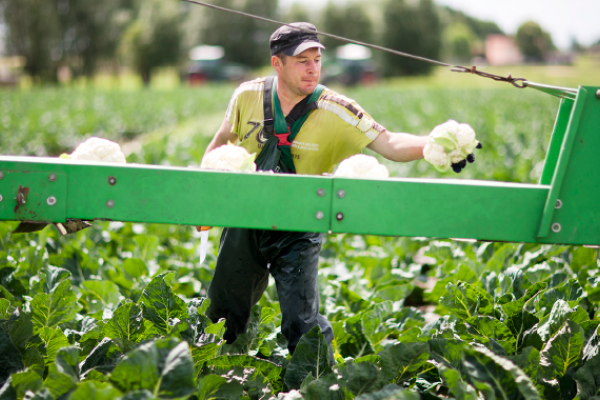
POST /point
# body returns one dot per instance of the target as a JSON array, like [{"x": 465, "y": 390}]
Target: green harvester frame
[{"x": 563, "y": 208}]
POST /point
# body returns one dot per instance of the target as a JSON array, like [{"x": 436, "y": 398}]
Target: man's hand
[{"x": 451, "y": 145}]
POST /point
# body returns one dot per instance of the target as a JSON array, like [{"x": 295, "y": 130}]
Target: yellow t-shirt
[{"x": 338, "y": 129}]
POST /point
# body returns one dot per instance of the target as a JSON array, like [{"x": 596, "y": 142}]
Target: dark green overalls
[{"x": 247, "y": 256}]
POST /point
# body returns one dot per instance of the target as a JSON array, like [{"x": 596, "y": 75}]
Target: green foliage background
[{"x": 117, "y": 310}]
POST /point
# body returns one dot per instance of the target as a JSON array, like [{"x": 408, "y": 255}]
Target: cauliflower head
[
  {"x": 98, "y": 149},
  {"x": 229, "y": 158},
  {"x": 362, "y": 166},
  {"x": 449, "y": 143}
]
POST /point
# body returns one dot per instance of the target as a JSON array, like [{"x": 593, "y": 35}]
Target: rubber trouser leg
[
  {"x": 294, "y": 258},
  {"x": 240, "y": 279}
]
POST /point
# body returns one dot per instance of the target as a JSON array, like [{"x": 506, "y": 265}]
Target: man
[{"x": 334, "y": 128}]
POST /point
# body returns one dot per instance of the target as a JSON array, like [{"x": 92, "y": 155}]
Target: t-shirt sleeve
[
  {"x": 233, "y": 112},
  {"x": 355, "y": 130}
]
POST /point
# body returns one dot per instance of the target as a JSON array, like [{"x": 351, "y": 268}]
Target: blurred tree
[
  {"x": 245, "y": 40},
  {"x": 460, "y": 42},
  {"x": 54, "y": 33},
  {"x": 348, "y": 20},
  {"x": 533, "y": 42},
  {"x": 34, "y": 32},
  {"x": 412, "y": 27},
  {"x": 297, "y": 13},
  {"x": 153, "y": 38}
]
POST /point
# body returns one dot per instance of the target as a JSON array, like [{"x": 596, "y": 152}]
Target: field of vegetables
[{"x": 117, "y": 311}]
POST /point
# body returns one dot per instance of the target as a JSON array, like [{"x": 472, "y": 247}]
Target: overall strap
[{"x": 268, "y": 104}]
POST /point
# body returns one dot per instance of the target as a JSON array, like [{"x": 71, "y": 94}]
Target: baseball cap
[{"x": 292, "y": 42}]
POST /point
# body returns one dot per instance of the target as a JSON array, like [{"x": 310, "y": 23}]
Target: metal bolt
[
  {"x": 341, "y": 193},
  {"x": 1, "y": 175},
  {"x": 558, "y": 204},
  {"x": 1, "y": 197},
  {"x": 112, "y": 180},
  {"x": 52, "y": 177},
  {"x": 556, "y": 227},
  {"x": 319, "y": 215},
  {"x": 598, "y": 94},
  {"x": 339, "y": 216},
  {"x": 320, "y": 192},
  {"x": 51, "y": 201},
  {"x": 110, "y": 203}
]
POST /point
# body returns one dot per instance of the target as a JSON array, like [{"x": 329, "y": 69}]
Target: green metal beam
[{"x": 439, "y": 208}]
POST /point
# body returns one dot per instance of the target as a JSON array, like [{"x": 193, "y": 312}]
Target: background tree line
[{"x": 86, "y": 34}]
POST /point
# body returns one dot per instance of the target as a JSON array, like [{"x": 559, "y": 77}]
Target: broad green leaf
[
  {"x": 588, "y": 378},
  {"x": 373, "y": 318},
  {"x": 560, "y": 312},
  {"x": 10, "y": 358},
  {"x": 32, "y": 359},
  {"x": 164, "y": 367},
  {"x": 354, "y": 343},
  {"x": 161, "y": 306},
  {"x": 325, "y": 388},
  {"x": 458, "y": 388},
  {"x": 54, "y": 339},
  {"x": 569, "y": 291},
  {"x": 390, "y": 392},
  {"x": 57, "y": 307},
  {"x": 91, "y": 390},
  {"x": 126, "y": 323},
  {"x": 202, "y": 353},
  {"x": 400, "y": 361},
  {"x": 447, "y": 351},
  {"x": 20, "y": 330},
  {"x": 394, "y": 291},
  {"x": 135, "y": 267},
  {"x": 102, "y": 297},
  {"x": 361, "y": 377},
  {"x": 267, "y": 369},
  {"x": 48, "y": 280},
  {"x": 515, "y": 309},
  {"x": 5, "y": 309},
  {"x": 103, "y": 357},
  {"x": 491, "y": 328},
  {"x": 213, "y": 387},
  {"x": 488, "y": 372},
  {"x": 67, "y": 361},
  {"x": 148, "y": 246},
  {"x": 310, "y": 357},
  {"x": 559, "y": 355},
  {"x": 502, "y": 257},
  {"x": 465, "y": 300},
  {"x": 59, "y": 383},
  {"x": 529, "y": 361},
  {"x": 26, "y": 380}
]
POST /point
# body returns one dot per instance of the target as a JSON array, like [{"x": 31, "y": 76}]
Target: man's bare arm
[
  {"x": 399, "y": 146},
  {"x": 222, "y": 136}
]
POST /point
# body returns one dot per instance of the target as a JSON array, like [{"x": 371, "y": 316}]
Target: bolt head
[
  {"x": 52, "y": 177},
  {"x": 1, "y": 197},
  {"x": 51, "y": 201},
  {"x": 110, "y": 203},
  {"x": 319, "y": 215},
  {"x": 341, "y": 193},
  {"x": 339, "y": 216},
  {"x": 1, "y": 175},
  {"x": 112, "y": 180},
  {"x": 558, "y": 204},
  {"x": 320, "y": 192},
  {"x": 598, "y": 94},
  {"x": 556, "y": 227}
]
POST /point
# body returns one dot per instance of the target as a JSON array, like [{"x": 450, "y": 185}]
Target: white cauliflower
[
  {"x": 449, "y": 143},
  {"x": 362, "y": 166},
  {"x": 97, "y": 149},
  {"x": 229, "y": 158}
]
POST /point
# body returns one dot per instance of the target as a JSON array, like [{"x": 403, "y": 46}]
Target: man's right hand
[{"x": 201, "y": 228}]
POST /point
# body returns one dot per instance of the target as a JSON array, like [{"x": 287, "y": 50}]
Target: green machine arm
[{"x": 563, "y": 208}]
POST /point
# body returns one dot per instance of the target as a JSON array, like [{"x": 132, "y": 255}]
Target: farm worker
[{"x": 296, "y": 126}]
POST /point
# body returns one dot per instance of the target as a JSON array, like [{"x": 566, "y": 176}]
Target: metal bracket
[{"x": 33, "y": 196}]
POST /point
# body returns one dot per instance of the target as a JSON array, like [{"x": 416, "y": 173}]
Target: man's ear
[{"x": 276, "y": 63}]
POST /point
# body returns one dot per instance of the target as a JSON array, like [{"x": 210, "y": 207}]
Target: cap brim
[{"x": 294, "y": 51}]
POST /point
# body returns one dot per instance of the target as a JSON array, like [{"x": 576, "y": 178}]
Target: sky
[{"x": 563, "y": 19}]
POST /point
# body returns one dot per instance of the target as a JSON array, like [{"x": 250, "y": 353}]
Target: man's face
[{"x": 300, "y": 74}]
